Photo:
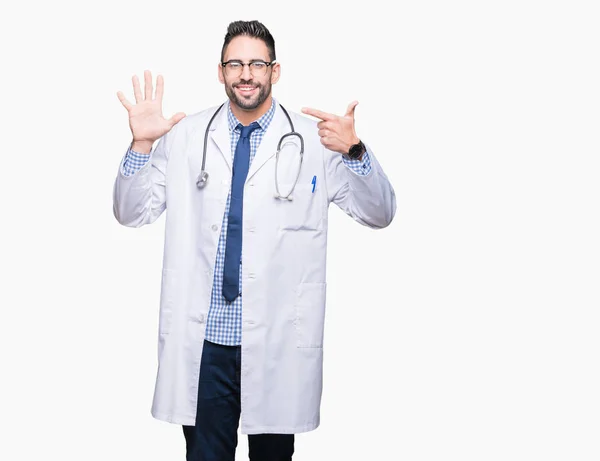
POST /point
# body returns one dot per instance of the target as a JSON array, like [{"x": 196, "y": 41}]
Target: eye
[
  {"x": 258, "y": 65},
  {"x": 234, "y": 65}
]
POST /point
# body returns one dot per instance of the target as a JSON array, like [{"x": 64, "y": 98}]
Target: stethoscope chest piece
[{"x": 202, "y": 179}]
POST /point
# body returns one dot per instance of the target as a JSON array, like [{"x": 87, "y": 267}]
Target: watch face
[{"x": 355, "y": 151}]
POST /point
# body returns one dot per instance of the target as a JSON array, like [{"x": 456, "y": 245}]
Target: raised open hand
[{"x": 146, "y": 120}]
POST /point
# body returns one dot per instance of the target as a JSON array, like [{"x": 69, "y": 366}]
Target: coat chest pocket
[
  {"x": 309, "y": 315},
  {"x": 167, "y": 296},
  {"x": 303, "y": 212}
]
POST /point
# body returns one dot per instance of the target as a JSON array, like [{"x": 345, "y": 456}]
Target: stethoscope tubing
[{"x": 203, "y": 177}]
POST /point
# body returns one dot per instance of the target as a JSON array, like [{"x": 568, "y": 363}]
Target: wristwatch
[{"x": 356, "y": 151}]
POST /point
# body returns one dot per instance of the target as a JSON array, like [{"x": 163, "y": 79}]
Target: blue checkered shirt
[{"x": 224, "y": 323}]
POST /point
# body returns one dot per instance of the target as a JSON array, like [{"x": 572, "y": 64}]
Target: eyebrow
[{"x": 252, "y": 60}]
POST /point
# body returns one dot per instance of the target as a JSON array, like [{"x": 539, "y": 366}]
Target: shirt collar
[{"x": 263, "y": 121}]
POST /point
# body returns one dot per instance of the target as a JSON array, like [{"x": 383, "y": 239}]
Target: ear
[
  {"x": 220, "y": 73},
  {"x": 275, "y": 73}
]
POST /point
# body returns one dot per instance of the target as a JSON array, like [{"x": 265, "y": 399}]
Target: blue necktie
[{"x": 233, "y": 245}]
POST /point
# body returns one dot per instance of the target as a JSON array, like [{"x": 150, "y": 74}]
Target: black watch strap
[{"x": 356, "y": 151}]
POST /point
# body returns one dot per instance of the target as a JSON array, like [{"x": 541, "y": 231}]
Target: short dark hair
[{"x": 251, "y": 29}]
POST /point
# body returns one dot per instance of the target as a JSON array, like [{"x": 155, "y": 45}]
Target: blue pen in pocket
[{"x": 314, "y": 183}]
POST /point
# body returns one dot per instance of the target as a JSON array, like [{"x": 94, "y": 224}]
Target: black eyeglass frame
[{"x": 268, "y": 64}]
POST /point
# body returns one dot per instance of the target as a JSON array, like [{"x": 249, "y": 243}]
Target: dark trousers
[{"x": 214, "y": 437}]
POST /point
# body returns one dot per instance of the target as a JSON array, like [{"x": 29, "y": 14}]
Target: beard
[{"x": 252, "y": 102}]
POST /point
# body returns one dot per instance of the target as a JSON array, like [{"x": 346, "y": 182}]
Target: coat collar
[
  {"x": 263, "y": 121},
  {"x": 219, "y": 134}
]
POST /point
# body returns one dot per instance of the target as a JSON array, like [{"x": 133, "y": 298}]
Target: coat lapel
[
  {"x": 268, "y": 145},
  {"x": 219, "y": 134}
]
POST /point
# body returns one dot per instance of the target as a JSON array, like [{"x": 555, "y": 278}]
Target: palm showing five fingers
[{"x": 146, "y": 120}]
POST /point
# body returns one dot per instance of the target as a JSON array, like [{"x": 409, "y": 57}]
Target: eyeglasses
[{"x": 235, "y": 67}]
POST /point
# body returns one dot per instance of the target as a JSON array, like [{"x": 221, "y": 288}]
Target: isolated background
[{"x": 466, "y": 330}]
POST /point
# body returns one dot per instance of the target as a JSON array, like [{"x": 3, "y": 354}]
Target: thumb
[
  {"x": 176, "y": 118},
  {"x": 351, "y": 107}
]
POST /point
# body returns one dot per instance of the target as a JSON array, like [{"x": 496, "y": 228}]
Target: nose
[{"x": 246, "y": 74}]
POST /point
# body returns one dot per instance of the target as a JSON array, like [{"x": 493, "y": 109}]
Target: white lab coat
[{"x": 283, "y": 262}]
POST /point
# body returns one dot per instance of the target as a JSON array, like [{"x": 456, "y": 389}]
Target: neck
[{"x": 246, "y": 117}]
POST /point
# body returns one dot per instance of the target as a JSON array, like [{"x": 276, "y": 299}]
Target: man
[{"x": 241, "y": 325}]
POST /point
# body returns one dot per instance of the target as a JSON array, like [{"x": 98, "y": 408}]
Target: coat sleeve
[
  {"x": 140, "y": 198},
  {"x": 369, "y": 199}
]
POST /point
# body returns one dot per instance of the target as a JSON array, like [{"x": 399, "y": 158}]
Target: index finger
[{"x": 318, "y": 113}]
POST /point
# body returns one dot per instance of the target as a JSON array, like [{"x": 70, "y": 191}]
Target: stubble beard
[{"x": 248, "y": 104}]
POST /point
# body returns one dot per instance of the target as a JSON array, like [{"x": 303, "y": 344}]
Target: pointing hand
[{"x": 337, "y": 132}]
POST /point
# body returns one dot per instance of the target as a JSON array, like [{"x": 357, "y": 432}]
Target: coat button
[{"x": 214, "y": 227}]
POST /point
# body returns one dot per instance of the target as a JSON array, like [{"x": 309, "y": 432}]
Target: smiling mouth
[{"x": 246, "y": 89}]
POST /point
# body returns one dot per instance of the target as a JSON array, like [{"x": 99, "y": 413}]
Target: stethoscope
[{"x": 203, "y": 177}]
